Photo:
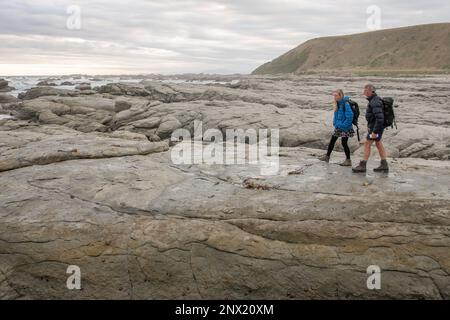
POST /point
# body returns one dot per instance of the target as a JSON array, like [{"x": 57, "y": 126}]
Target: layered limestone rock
[
  {"x": 141, "y": 227},
  {"x": 87, "y": 179}
]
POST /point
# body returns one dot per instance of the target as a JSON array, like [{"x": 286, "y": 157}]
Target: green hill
[{"x": 423, "y": 48}]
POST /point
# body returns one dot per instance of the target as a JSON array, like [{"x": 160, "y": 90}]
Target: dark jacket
[
  {"x": 375, "y": 114},
  {"x": 343, "y": 117}
]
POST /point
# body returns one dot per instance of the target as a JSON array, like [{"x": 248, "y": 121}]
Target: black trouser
[{"x": 344, "y": 144}]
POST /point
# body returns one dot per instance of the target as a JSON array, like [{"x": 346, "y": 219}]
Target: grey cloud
[{"x": 223, "y": 36}]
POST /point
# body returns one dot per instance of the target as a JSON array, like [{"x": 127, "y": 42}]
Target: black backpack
[
  {"x": 355, "y": 109},
  {"x": 389, "y": 114}
]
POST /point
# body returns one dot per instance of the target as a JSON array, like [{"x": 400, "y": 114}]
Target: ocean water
[{"x": 23, "y": 83}]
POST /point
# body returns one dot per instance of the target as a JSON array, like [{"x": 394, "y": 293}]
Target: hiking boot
[
  {"x": 361, "y": 167},
  {"x": 383, "y": 167},
  {"x": 324, "y": 158},
  {"x": 346, "y": 163}
]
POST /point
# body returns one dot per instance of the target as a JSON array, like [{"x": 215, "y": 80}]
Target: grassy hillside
[{"x": 422, "y": 48}]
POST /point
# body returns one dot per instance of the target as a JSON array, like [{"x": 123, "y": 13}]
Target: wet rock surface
[{"x": 87, "y": 179}]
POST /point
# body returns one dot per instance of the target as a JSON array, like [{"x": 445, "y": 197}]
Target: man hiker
[{"x": 375, "y": 124}]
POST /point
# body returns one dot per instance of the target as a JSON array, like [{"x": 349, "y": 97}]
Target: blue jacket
[{"x": 343, "y": 117}]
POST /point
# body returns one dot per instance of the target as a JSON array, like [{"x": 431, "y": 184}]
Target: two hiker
[{"x": 343, "y": 128}]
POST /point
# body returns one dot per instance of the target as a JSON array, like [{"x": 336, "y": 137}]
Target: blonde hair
[{"x": 341, "y": 93}]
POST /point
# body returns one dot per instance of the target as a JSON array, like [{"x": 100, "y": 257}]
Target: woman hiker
[{"x": 343, "y": 128}]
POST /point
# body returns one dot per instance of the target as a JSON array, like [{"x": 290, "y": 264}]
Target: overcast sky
[{"x": 180, "y": 36}]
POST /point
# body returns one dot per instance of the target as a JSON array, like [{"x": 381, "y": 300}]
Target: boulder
[
  {"x": 4, "y": 87},
  {"x": 37, "y": 92},
  {"x": 6, "y": 98},
  {"x": 3, "y": 83},
  {"x": 67, "y": 83},
  {"x": 45, "y": 83},
  {"x": 83, "y": 86},
  {"x": 167, "y": 126},
  {"x": 121, "y": 105},
  {"x": 123, "y": 89},
  {"x": 148, "y": 123},
  {"x": 55, "y": 145}
]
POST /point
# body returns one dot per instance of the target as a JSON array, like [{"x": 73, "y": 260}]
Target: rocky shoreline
[{"x": 87, "y": 180}]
